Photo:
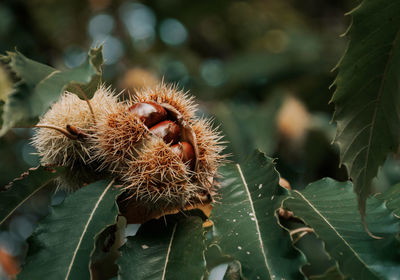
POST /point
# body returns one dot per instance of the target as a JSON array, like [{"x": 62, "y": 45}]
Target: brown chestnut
[
  {"x": 167, "y": 130},
  {"x": 186, "y": 153},
  {"x": 150, "y": 113}
]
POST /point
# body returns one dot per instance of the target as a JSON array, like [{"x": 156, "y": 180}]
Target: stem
[
  {"x": 364, "y": 223},
  {"x": 299, "y": 237},
  {"x": 87, "y": 101},
  {"x": 59, "y": 129},
  {"x": 302, "y": 229}
]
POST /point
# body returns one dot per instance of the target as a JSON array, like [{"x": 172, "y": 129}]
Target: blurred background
[{"x": 261, "y": 68}]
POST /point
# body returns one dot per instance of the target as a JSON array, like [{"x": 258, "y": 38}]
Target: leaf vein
[
  {"x": 168, "y": 252},
  {"x": 332, "y": 227},
  {"x": 85, "y": 229},
  {"x": 380, "y": 92},
  {"x": 255, "y": 219}
]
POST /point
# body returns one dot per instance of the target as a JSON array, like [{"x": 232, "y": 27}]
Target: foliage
[
  {"x": 246, "y": 228},
  {"x": 329, "y": 207},
  {"x": 80, "y": 218},
  {"x": 165, "y": 249},
  {"x": 40, "y": 85},
  {"x": 22, "y": 189},
  {"x": 392, "y": 199},
  {"x": 366, "y": 98},
  {"x": 242, "y": 122},
  {"x": 255, "y": 224}
]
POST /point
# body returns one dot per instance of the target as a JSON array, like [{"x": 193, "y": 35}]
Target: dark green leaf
[
  {"x": 329, "y": 207},
  {"x": 331, "y": 274},
  {"x": 41, "y": 85},
  {"x": 367, "y": 99},
  {"x": 392, "y": 199},
  {"x": 249, "y": 127},
  {"x": 23, "y": 188},
  {"x": 245, "y": 223},
  {"x": 165, "y": 249},
  {"x": 61, "y": 246},
  {"x": 106, "y": 251}
]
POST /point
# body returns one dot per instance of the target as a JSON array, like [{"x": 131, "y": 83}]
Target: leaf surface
[
  {"x": 23, "y": 188},
  {"x": 61, "y": 246},
  {"x": 392, "y": 199},
  {"x": 164, "y": 249},
  {"x": 331, "y": 274},
  {"x": 367, "y": 99},
  {"x": 41, "y": 85},
  {"x": 249, "y": 127},
  {"x": 246, "y": 227},
  {"x": 329, "y": 207}
]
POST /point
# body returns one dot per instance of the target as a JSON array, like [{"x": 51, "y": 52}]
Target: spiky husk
[
  {"x": 105, "y": 102},
  {"x": 119, "y": 135},
  {"x": 116, "y": 139},
  {"x": 210, "y": 147},
  {"x": 78, "y": 176},
  {"x": 157, "y": 177},
  {"x": 171, "y": 95},
  {"x": 151, "y": 172},
  {"x": 55, "y": 148}
]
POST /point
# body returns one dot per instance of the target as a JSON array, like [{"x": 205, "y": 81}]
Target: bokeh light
[
  {"x": 213, "y": 73},
  {"x": 173, "y": 32},
  {"x": 112, "y": 50},
  {"x": 100, "y": 24},
  {"x": 73, "y": 56},
  {"x": 140, "y": 22}
]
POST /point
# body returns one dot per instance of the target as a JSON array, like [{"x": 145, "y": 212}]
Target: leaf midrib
[
  {"x": 378, "y": 99},
  {"x": 86, "y": 228},
  {"x": 255, "y": 220},
  {"x": 25, "y": 199},
  {"x": 168, "y": 252}
]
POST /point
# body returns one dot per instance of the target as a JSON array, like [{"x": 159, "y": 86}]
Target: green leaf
[
  {"x": 246, "y": 225},
  {"x": 23, "y": 188},
  {"x": 331, "y": 274},
  {"x": 392, "y": 199},
  {"x": 249, "y": 127},
  {"x": 106, "y": 251},
  {"x": 61, "y": 246},
  {"x": 165, "y": 249},
  {"x": 41, "y": 85},
  {"x": 367, "y": 99},
  {"x": 329, "y": 207}
]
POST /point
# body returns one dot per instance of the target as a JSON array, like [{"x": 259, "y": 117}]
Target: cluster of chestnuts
[{"x": 154, "y": 145}]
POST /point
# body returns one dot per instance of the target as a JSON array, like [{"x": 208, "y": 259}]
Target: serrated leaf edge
[{"x": 21, "y": 177}]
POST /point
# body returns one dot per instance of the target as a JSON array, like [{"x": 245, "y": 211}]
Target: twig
[
  {"x": 299, "y": 237},
  {"x": 302, "y": 229},
  {"x": 87, "y": 101},
  {"x": 59, "y": 129}
]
